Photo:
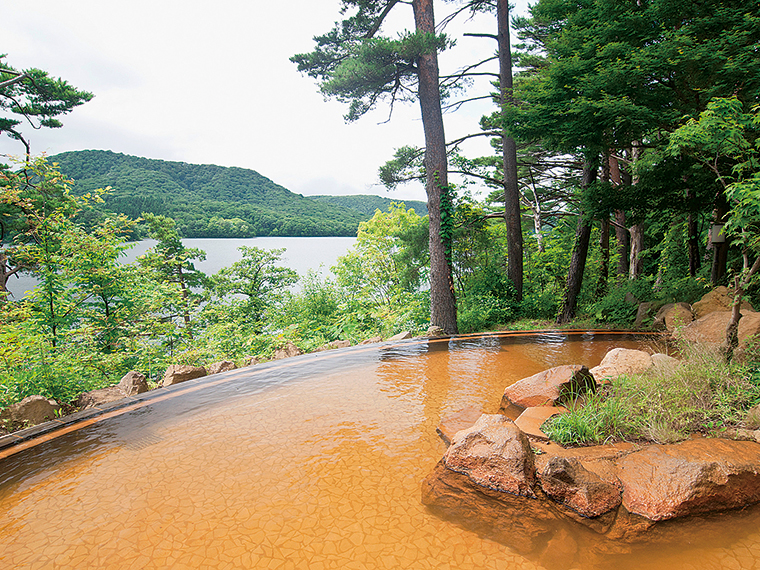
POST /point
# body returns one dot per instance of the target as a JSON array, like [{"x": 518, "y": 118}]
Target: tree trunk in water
[
  {"x": 443, "y": 309},
  {"x": 509, "y": 157},
  {"x": 578, "y": 260}
]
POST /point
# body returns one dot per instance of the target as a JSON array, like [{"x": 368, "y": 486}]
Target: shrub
[{"x": 702, "y": 394}]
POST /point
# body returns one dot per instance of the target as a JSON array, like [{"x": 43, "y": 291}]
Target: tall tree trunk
[
  {"x": 443, "y": 309},
  {"x": 693, "y": 244},
  {"x": 635, "y": 265},
  {"x": 604, "y": 269},
  {"x": 580, "y": 254},
  {"x": 509, "y": 157},
  {"x": 621, "y": 231},
  {"x": 621, "y": 235},
  {"x": 720, "y": 250}
]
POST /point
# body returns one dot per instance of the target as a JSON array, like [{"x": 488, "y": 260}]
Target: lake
[{"x": 301, "y": 254}]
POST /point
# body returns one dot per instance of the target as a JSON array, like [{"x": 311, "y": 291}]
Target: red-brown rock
[
  {"x": 133, "y": 383},
  {"x": 719, "y": 299},
  {"x": 672, "y": 315},
  {"x": 334, "y": 344},
  {"x": 531, "y": 420},
  {"x": 494, "y": 453},
  {"x": 177, "y": 373},
  {"x": 711, "y": 329},
  {"x": 287, "y": 351},
  {"x": 100, "y": 397},
  {"x": 463, "y": 419},
  {"x": 567, "y": 481},
  {"x": 621, "y": 361},
  {"x": 662, "y": 482},
  {"x": 549, "y": 386},
  {"x": 30, "y": 411},
  {"x": 221, "y": 366},
  {"x": 523, "y": 524}
]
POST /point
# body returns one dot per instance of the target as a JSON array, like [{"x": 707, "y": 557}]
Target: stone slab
[{"x": 531, "y": 420}]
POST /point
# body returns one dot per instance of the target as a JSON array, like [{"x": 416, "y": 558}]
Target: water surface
[{"x": 313, "y": 462}]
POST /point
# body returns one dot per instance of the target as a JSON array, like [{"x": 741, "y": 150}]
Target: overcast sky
[{"x": 211, "y": 83}]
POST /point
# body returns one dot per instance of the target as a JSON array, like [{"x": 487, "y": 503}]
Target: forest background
[{"x": 637, "y": 177}]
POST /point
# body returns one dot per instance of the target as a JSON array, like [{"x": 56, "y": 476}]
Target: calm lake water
[{"x": 301, "y": 254}]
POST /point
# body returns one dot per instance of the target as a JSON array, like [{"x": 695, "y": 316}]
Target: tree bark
[
  {"x": 693, "y": 244},
  {"x": 578, "y": 260},
  {"x": 604, "y": 269},
  {"x": 720, "y": 250},
  {"x": 509, "y": 157},
  {"x": 635, "y": 266},
  {"x": 443, "y": 310},
  {"x": 732, "y": 330},
  {"x": 621, "y": 233}
]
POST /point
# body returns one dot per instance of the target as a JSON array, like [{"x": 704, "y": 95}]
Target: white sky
[{"x": 211, "y": 83}]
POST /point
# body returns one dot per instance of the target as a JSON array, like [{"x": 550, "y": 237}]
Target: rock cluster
[
  {"x": 705, "y": 321},
  {"x": 527, "y": 495},
  {"x": 502, "y": 478}
]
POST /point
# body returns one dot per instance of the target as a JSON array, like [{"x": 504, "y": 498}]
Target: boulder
[
  {"x": 662, "y": 482},
  {"x": 287, "y": 351},
  {"x": 30, "y": 411},
  {"x": 221, "y": 366},
  {"x": 664, "y": 363},
  {"x": 334, "y": 344},
  {"x": 133, "y": 383},
  {"x": 495, "y": 454},
  {"x": 549, "y": 386},
  {"x": 719, "y": 299},
  {"x": 673, "y": 315},
  {"x": 644, "y": 311},
  {"x": 372, "y": 340},
  {"x": 621, "y": 361},
  {"x": 521, "y": 523},
  {"x": 711, "y": 329},
  {"x": 100, "y": 397},
  {"x": 177, "y": 373},
  {"x": 567, "y": 481},
  {"x": 401, "y": 336},
  {"x": 463, "y": 419},
  {"x": 252, "y": 361},
  {"x": 435, "y": 331}
]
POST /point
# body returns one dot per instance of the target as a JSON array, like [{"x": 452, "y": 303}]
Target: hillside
[
  {"x": 367, "y": 204},
  {"x": 205, "y": 199}
]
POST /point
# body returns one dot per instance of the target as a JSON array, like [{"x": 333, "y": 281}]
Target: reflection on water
[{"x": 314, "y": 462}]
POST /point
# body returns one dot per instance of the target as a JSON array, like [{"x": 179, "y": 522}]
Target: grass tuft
[{"x": 703, "y": 394}]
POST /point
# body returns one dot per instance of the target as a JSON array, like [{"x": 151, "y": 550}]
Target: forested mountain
[
  {"x": 367, "y": 204},
  {"x": 206, "y": 200}
]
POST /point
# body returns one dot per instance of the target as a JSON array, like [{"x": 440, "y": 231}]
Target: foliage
[
  {"x": 367, "y": 205},
  {"x": 374, "y": 270},
  {"x": 205, "y": 200},
  {"x": 31, "y": 96},
  {"x": 257, "y": 279},
  {"x": 725, "y": 139},
  {"x": 701, "y": 394}
]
